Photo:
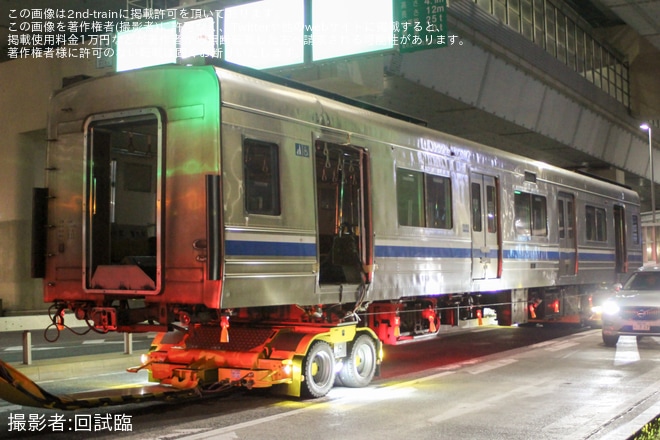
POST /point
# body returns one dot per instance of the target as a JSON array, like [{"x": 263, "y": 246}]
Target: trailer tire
[
  {"x": 360, "y": 366},
  {"x": 610, "y": 340},
  {"x": 318, "y": 370}
]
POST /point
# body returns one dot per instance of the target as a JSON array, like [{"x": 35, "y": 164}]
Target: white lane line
[
  {"x": 561, "y": 346},
  {"x": 364, "y": 397},
  {"x": 626, "y": 351},
  {"x": 534, "y": 389},
  {"x": 9, "y": 408},
  {"x": 101, "y": 341},
  {"x": 476, "y": 365},
  {"x": 216, "y": 433},
  {"x": 492, "y": 365},
  {"x": 20, "y": 348}
]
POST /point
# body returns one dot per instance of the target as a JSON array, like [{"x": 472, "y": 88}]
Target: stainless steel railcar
[{"x": 253, "y": 222}]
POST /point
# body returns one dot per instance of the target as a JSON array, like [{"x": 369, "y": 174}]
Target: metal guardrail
[{"x": 27, "y": 346}]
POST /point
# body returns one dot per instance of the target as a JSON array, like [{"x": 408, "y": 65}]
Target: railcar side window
[
  {"x": 261, "y": 176},
  {"x": 635, "y": 229},
  {"x": 531, "y": 214},
  {"x": 423, "y": 200},
  {"x": 560, "y": 215},
  {"x": 522, "y": 209},
  {"x": 475, "y": 191},
  {"x": 571, "y": 219},
  {"x": 596, "y": 224},
  {"x": 539, "y": 216},
  {"x": 566, "y": 216},
  {"x": 438, "y": 202},
  {"x": 491, "y": 208},
  {"x": 410, "y": 192}
]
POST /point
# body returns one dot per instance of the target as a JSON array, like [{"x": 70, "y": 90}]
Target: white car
[{"x": 635, "y": 309}]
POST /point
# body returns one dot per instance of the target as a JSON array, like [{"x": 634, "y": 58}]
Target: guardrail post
[
  {"x": 27, "y": 347},
  {"x": 128, "y": 343}
]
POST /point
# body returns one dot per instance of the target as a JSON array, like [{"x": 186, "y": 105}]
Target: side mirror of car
[{"x": 617, "y": 287}]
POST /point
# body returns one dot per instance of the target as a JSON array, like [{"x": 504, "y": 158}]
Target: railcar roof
[
  {"x": 456, "y": 144},
  {"x": 412, "y": 128}
]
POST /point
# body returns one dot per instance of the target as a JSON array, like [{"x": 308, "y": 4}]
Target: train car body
[{"x": 272, "y": 233}]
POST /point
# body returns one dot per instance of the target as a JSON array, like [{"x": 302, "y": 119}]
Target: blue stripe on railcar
[
  {"x": 589, "y": 256},
  {"x": 308, "y": 250},
  {"x": 269, "y": 249},
  {"x": 530, "y": 254},
  {"x": 430, "y": 252},
  {"x": 383, "y": 251},
  {"x": 420, "y": 252}
]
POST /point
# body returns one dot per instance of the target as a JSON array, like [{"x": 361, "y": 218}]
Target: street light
[{"x": 654, "y": 252}]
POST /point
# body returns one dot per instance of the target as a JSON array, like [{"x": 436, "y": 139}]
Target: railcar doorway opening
[
  {"x": 122, "y": 209},
  {"x": 342, "y": 213}
]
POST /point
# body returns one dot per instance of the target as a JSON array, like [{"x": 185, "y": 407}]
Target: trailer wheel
[
  {"x": 360, "y": 366},
  {"x": 610, "y": 340},
  {"x": 318, "y": 370}
]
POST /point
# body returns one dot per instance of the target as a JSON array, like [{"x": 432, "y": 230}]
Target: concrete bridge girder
[{"x": 495, "y": 102}]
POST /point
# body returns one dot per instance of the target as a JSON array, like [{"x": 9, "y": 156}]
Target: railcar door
[
  {"x": 567, "y": 236},
  {"x": 484, "y": 207},
  {"x": 344, "y": 224},
  {"x": 620, "y": 238}
]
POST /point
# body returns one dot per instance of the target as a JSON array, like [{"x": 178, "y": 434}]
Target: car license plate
[{"x": 641, "y": 326}]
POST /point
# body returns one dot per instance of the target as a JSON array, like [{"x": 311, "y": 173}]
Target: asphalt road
[{"x": 487, "y": 383}]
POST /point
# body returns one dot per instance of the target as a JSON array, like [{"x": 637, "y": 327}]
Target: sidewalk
[
  {"x": 67, "y": 366},
  {"x": 35, "y": 322},
  {"x": 76, "y": 366}
]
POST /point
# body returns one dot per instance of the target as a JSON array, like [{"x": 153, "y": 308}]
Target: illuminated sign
[
  {"x": 265, "y": 34},
  {"x": 147, "y": 46},
  {"x": 273, "y": 33},
  {"x": 349, "y": 27},
  {"x": 197, "y": 38},
  {"x": 420, "y": 25}
]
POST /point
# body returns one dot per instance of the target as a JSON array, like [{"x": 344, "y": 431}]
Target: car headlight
[
  {"x": 610, "y": 308},
  {"x": 597, "y": 310}
]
